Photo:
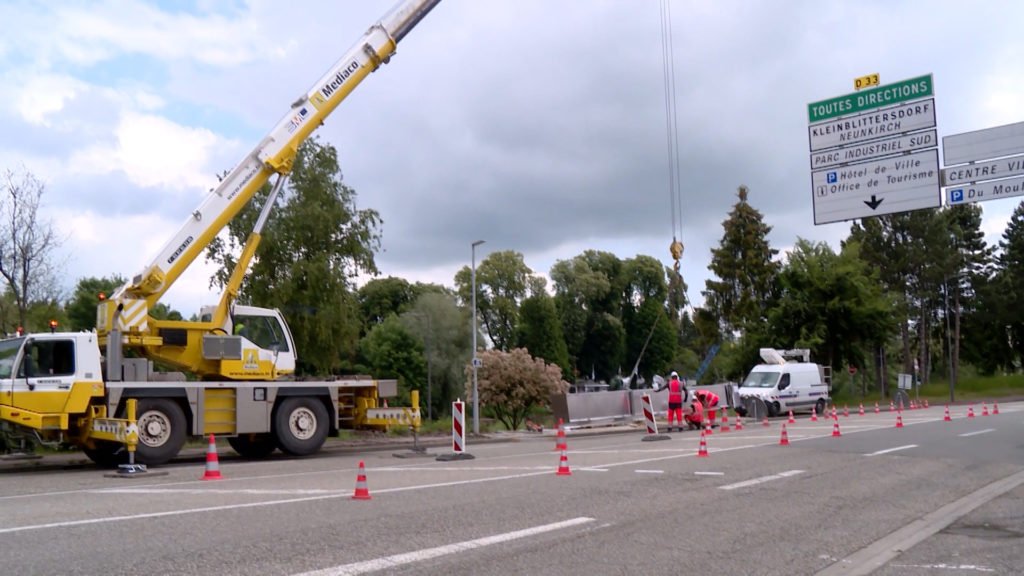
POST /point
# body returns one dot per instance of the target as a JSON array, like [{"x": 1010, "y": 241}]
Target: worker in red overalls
[
  {"x": 676, "y": 394},
  {"x": 709, "y": 400}
]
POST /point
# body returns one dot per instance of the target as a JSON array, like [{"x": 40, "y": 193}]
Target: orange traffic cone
[
  {"x": 212, "y": 464},
  {"x": 892, "y": 407},
  {"x": 912, "y": 405},
  {"x": 560, "y": 437},
  {"x": 766, "y": 423},
  {"x": 899, "y": 420},
  {"x": 784, "y": 439},
  {"x": 362, "y": 491},
  {"x": 995, "y": 408},
  {"x": 563, "y": 466},
  {"x": 835, "y": 428},
  {"x": 834, "y": 415},
  {"x": 791, "y": 419},
  {"x": 702, "y": 450},
  {"x": 946, "y": 418},
  {"x": 925, "y": 402},
  {"x": 739, "y": 422},
  {"x": 984, "y": 408},
  {"x": 814, "y": 414},
  {"x": 860, "y": 412},
  {"x": 846, "y": 410},
  {"x": 707, "y": 426},
  {"x": 385, "y": 403},
  {"x": 876, "y": 408},
  {"x": 725, "y": 421},
  {"x": 970, "y": 411}
]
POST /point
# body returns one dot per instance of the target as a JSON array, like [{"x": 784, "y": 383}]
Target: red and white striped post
[
  {"x": 458, "y": 426},
  {"x": 458, "y": 434},
  {"x": 652, "y": 424}
]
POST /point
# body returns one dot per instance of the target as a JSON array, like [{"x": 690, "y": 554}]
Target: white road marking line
[
  {"x": 889, "y": 547},
  {"x": 985, "y": 431},
  {"x": 397, "y": 560},
  {"x": 958, "y": 567},
  {"x": 761, "y": 480},
  {"x": 202, "y": 491},
  {"x": 649, "y": 471},
  {"x": 896, "y": 449},
  {"x": 703, "y": 473}
]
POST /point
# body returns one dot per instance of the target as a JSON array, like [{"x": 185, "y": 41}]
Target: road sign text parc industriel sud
[
  {"x": 887, "y": 95},
  {"x": 896, "y": 184},
  {"x": 994, "y": 190},
  {"x": 872, "y": 125},
  {"x": 874, "y": 150}
]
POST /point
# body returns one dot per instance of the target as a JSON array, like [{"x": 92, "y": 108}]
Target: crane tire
[
  {"x": 162, "y": 430},
  {"x": 300, "y": 425}
]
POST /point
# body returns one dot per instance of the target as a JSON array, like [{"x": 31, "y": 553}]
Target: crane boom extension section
[{"x": 179, "y": 343}]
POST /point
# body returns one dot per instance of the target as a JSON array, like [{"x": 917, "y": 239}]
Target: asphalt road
[{"x": 932, "y": 497}]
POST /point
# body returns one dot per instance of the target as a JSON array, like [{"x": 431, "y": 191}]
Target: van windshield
[{"x": 761, "y": 380}]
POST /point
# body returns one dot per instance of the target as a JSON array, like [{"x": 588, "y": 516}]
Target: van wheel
[
  {"x": 300, "y": 425},
  {"x": 773, "y": 409},
  {"x": 161, "y": 430},
  {"x": 820, "y": 406}
]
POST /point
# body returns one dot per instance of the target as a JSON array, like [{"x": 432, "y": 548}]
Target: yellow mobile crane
[{"x": 58, "y": 388}]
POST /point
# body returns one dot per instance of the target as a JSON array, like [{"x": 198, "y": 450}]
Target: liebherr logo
[
  {"x": 180, "y": 249},
  {"x": 331, "y": 87}
]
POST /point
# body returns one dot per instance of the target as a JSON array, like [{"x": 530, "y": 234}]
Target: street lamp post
[{"x": 476, "y": 393}]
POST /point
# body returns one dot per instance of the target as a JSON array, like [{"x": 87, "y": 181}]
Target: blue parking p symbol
[
  {"x": 956, "y": 195},
  {"x": 831, "y": 178}
]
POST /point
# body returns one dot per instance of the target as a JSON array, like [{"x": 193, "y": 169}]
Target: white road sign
[
  {"x": 907, "y": 117},
  {"x": 897, "y": 184},
  {"x": 1002, "y": 168},
  {"x": 873, "y": 150},
  {"x": 993, "y": 190},
  {"x": 983, "y": 144}
]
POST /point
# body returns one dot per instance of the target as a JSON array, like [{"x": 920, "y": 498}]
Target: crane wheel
[
  {"x": 300, "y": 425},
  {"x": 161, "y": 430}
]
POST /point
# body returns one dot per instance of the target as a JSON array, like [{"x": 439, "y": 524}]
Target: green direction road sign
[{"x": 912, "y": 89}]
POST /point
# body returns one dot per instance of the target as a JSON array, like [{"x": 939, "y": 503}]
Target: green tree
[
  {"x": 503, "y": 281},
  {"x": 745, "y": 269},
  {"x": 312, "y": 250},
  {"x": 442, "y": 328},
  {"x": 831, "y": 303},
  {"x": 970, "y": 262},
  {"x": 587, "y": 288},
  {"x": 390, "y": 351},
  {"x": 513, "y": 383},
  {"x": 604, "y": 349},
  {"x": 650, "y": 336},
  {"x": 382, "y": 297},
  {"x": 540, "y": 332},
  {"x": 81, "y": 308},
  {"x": 1011, "y": 277}
]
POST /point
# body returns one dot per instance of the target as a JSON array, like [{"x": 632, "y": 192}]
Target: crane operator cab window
[{"x": 264, "y": 331}]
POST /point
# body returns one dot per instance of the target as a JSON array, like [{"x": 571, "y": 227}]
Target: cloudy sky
[{"x": 536, "y": 125}]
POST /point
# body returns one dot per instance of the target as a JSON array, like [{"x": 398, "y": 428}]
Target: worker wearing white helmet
[{"x": 676, "y": 392}]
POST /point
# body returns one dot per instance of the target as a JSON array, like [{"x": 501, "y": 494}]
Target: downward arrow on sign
[{"x": 874, "y": 203}]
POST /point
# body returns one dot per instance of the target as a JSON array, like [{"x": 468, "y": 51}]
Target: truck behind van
[{"x": 783, "y": 385}]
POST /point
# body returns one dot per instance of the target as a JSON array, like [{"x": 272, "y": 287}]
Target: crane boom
[{"x": 127, "y": 311}]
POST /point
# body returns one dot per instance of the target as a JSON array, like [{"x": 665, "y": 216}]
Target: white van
[{"x": 788, "y": 385}]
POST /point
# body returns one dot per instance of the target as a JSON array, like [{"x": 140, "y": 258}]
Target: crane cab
[{"x": 262, "y": 332}]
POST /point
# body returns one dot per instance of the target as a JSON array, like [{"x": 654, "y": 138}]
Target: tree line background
[{"x": 919, "y": 289}]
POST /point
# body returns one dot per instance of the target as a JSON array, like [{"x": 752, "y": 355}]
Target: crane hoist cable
[{"x": 672, "y": 133}]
